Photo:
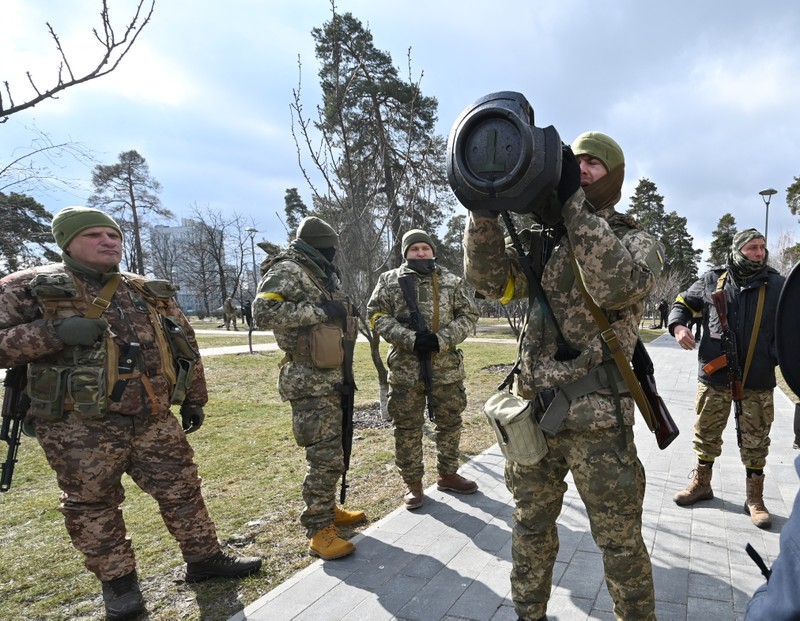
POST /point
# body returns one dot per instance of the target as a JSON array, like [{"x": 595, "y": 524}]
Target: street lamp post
[{"x": 767, "y": 196}]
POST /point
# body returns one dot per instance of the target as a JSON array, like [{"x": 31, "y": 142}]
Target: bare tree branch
[{"x": 115, "y": 51}]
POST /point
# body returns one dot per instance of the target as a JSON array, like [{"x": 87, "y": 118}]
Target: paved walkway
[{"x": 450, "y": 560}]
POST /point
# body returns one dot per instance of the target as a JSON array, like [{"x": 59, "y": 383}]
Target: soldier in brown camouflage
[
  {"x": 300, "y": 301},
  {"x": 101, "y": 378},
  {"x": 618, "y": 264},
  {"x": 450, "y": 316}
]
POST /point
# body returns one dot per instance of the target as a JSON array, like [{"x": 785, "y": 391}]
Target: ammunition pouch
[{"x": 56, "y": 389}]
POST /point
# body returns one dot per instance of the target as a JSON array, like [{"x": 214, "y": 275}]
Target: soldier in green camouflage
[
  {"x": 449, "y": 315},
  {"x": 101, "y": 378},
  {"x": 300, "y": 301},
  {"x": 618, "y": 264}
]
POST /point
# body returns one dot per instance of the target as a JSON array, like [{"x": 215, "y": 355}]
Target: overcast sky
[{"x": 703, "y": 97}]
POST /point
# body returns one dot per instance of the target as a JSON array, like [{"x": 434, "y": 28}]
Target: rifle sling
[{"x": 612, "y": 342}]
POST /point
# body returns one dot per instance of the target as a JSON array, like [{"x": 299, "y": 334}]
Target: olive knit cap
[
  {"x": 742, "y": 237},
  {"x": 415, "y": 236},
  {"x": 597, "y": 144},
  {"x": 317, "y": 233},
  {"x": 70, "y": 221}
]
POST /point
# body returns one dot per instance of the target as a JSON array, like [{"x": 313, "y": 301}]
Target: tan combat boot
[
  {"x": 456, "y": 483},
  {"x": 343, "y": 517},
  {"x": 754, "y": 505},
  {"x": 328, "y": 545},
  {"x": 414, "y": 496},
  {"x": 698, "y": 489}
]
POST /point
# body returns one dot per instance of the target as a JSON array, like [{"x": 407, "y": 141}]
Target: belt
[{"x": 554, "y": 402}]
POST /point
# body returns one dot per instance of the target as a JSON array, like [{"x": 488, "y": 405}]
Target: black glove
[
  {"x": 335, "y": 310},
  {"x": 80, "y": 330},
  {"x": 570, "y": 175},
  {"x": 192, "y": 417},
  {"x": 426, "y": 342}
]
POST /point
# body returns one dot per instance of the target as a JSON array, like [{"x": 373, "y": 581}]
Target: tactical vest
[{"x": 84, "y": 379}]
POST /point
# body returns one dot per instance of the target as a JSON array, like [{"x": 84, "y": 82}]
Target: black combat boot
[
  {"x": 123, "y": 597},
  {"x": 222, "y": 565}
]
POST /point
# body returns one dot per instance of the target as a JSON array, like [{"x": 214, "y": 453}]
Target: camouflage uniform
[
  {"x": 617, "y": 263},
  {"x": 229, "y": 314},
  {"x": 288, "y": 303},
  {"x": 713, "y": 405},
  {"x": 457, "y": 315},
  {"x": 136, "y": 434}
]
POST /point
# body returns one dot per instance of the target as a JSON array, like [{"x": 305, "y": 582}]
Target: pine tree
[
  {"x": 295, "y": 210},
  {"x": 721, "y": 240}
]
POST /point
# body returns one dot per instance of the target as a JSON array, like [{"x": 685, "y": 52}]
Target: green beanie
[
  {"x": 742, "y": 237},
  {"x": 600, "y": 146},
  {"x": 70, "y": 221},
  {"x": 317, "y": 233},
  {"x": 415, "y": 236}
]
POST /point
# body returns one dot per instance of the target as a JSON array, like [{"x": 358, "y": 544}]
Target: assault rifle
[
  {"x": 731, "y": 360},
  {"x": 417, "y": 324},
  {"x": 662, "y": 424},
  {"x": 15, "y": 405},
  {"x": 347, "y": 389}
]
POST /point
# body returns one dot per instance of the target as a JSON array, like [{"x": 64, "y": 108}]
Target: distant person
[
  {"x": 70, "y": 323},
  {"x": 751, "y": 291},
  {"x": 663, "y": 313},
  {"x": 229, "y": 314},
  {"x": 449, "y": 316},
  {"x": 299, "y": 299},
  {"x": 594, "y": 440}
]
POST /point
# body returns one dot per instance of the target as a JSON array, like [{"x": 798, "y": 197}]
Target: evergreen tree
[
  {"x": 295, "y": 210},
  {"x": 721, "y": 240},
  {"x": 647, "y": 206},
  {"x": 793, "y": 197},
  {"x": 26, "y": 233}
]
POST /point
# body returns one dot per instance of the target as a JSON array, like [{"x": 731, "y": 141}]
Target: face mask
[
  {"x": 328, "y": 253},
  {"x": 422, "y": 266}
]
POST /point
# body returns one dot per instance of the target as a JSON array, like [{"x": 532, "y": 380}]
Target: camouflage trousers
[
  {"x": 407, "y": 409},
  {"x": 317, "y": 426},
  {"x": 713, "y": 408},
  {"x": 611, "y": 482},
  {"x": 89, "y": 458}
]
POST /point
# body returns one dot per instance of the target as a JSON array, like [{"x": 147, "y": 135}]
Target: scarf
[
  {"x": 326, "y": 271},
  {"x": 607, "y": 191},
  {"x": 80, "y": 268}
]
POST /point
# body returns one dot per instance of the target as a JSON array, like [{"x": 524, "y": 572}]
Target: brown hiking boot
[
  {"x": 698, "y": 489},
  {"x": 456, "y": 483},
  {"x": 328, "y": 545},
  {"x": 413, "y": 497},
  {"x": 754, "y": 505},
  {"x": 343, "y": 517}
]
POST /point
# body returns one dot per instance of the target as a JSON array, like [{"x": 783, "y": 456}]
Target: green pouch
[
  {"x": 86, "y": 387},
  {"x": 185, "y": 371},
  {"x": 46, "y": 388}
]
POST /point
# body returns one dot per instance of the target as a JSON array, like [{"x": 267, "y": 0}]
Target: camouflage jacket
[
  {"x": 618, "y": 264},
  {"x": 27, "y": 338},
  {"x": 389, "y": 315},
  {"x": 288, "y": 303}
]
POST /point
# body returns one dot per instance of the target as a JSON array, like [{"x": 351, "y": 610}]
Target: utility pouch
[
  {"x": 515, "y": 426},
  {"x": 46, "y": 389},
  {"x": 325, "y": 346},
  {"x": 86, "y": 389},
  {"x": 184, "y": 357},
  {"x": 185, "y": 370}
]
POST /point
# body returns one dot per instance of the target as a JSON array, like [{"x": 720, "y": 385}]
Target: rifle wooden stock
[{"x": 664, "y": 426}]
